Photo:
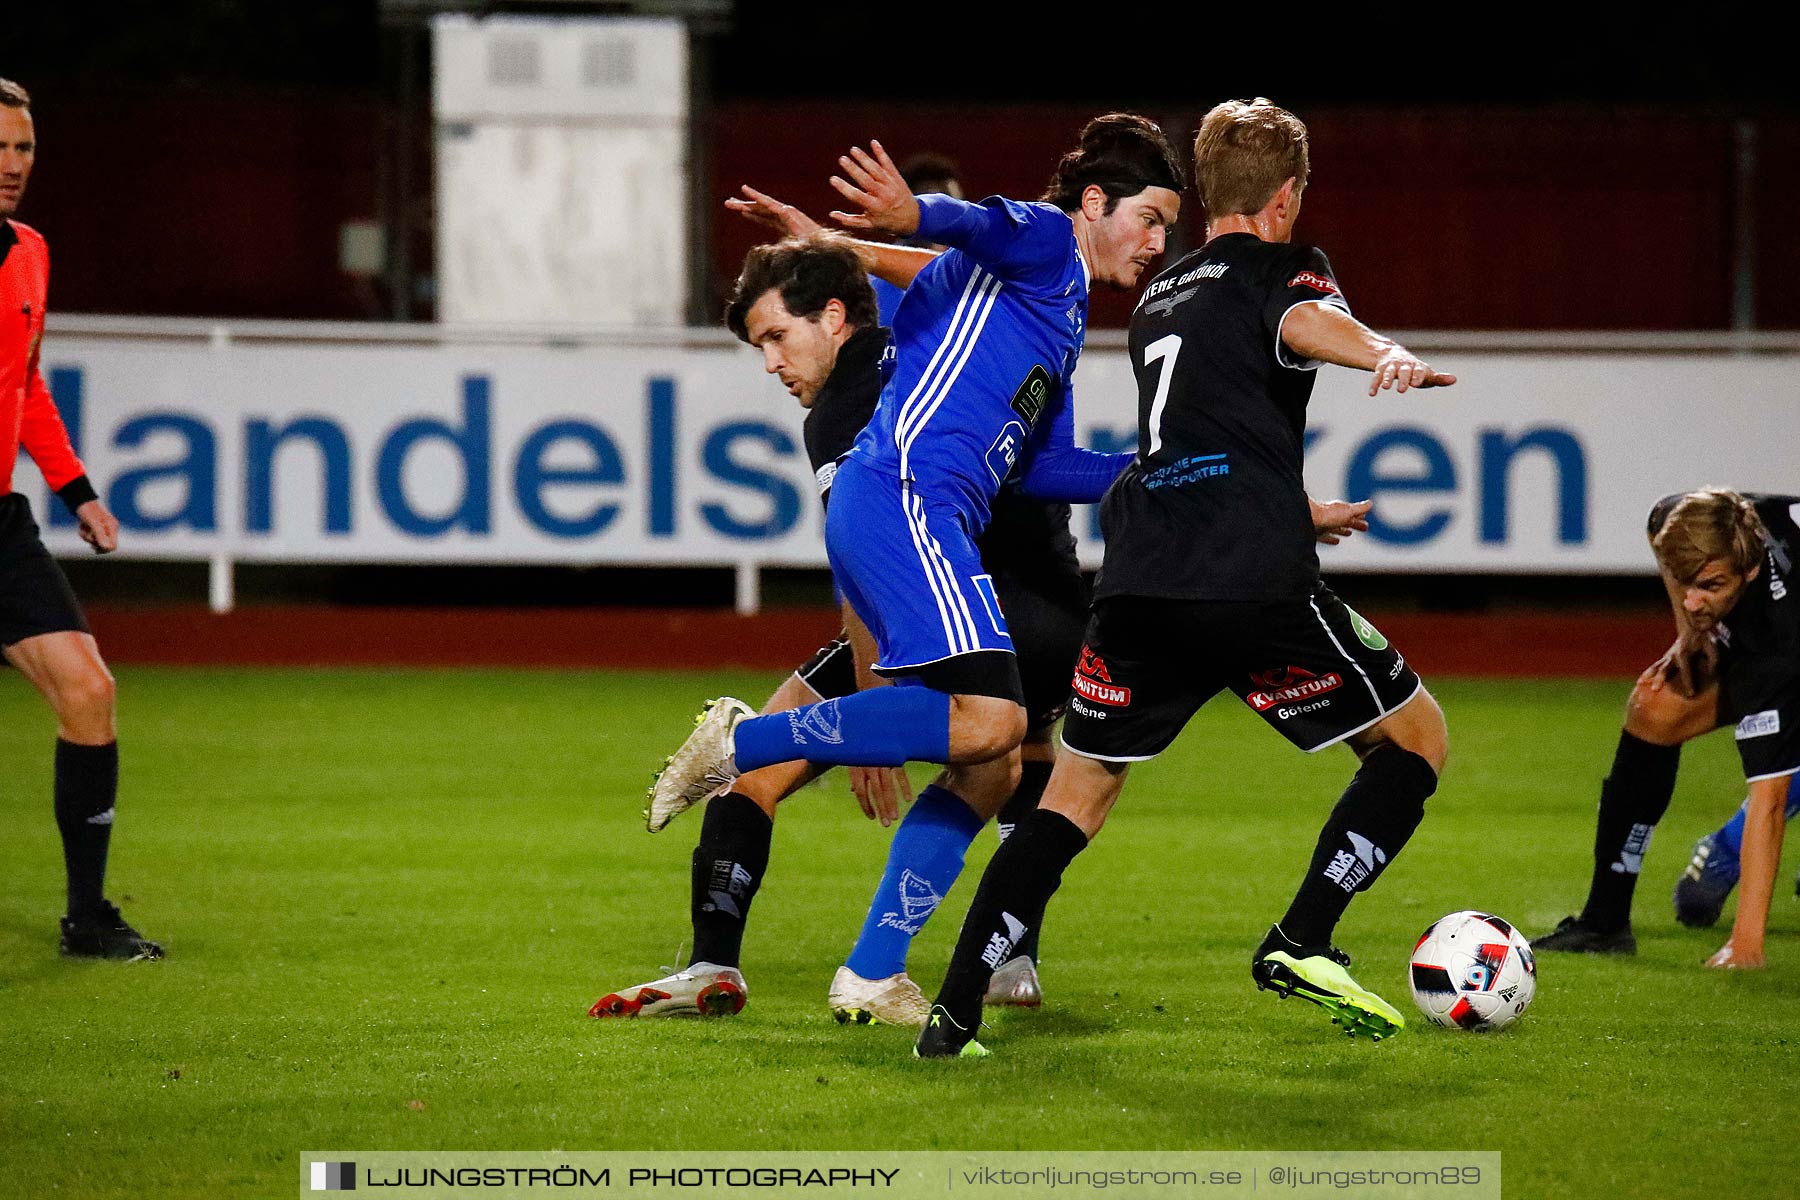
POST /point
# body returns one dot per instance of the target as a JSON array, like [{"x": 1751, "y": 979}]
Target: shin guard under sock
[
  {"x": 87, "y": 784},
  {"x": 729, "y": 864},
  {"x": 1633, "y": 798},
  {"x": 1369, "y": 825},
  {"x": 923, "y": 862},
  {"x": 882, "y": 727},
  {"x": 1019, "y": 881},
  {"x": 1034, "y": 777}
]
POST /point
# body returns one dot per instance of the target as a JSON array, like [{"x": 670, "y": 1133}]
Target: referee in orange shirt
[{"x": 42, "y": 630}]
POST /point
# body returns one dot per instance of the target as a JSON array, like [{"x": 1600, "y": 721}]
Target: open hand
[
  {"x": 1401, "y": 369},
  {"x": 878, "y": 790},
  {"x": 1690, "y": 666},
  {"x": 1730, "y": 958},
  {"x": 876, "y": 188},
  {"x": 764, "y": 209}
]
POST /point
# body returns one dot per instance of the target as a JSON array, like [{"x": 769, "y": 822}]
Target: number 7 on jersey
[{"x": 1162, "y": 350}]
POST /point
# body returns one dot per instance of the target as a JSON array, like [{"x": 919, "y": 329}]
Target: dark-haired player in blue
[{"x": 987, "y": 339}]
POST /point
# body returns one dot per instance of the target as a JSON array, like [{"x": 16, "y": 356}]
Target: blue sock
[
  {"x": 1730, "y": 838},
  {"x": 882, "y": 727},
  {"x": 924, "y": 860}
]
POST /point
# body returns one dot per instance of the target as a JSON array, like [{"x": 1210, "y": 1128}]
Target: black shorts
[
  {"x": 1313, "y": 669},
  {"x": 1761, "y": 699},
  {"x": 1046, "y": 612},
  {"x": 831, "y": 671},
  {"x": 35, "y": 597}
]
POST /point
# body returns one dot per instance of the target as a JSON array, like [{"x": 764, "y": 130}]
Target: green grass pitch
[{"x": 389, "y": 897}]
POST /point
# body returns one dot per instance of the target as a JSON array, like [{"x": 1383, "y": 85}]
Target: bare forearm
[
  {"x": 1329, "y": 334},
  {"x": 1684, "y": 623},
  {"x": 893, "y": 264},
  {"x": 1760, "y": 857}
]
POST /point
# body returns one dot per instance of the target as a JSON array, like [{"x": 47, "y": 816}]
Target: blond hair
[
  {"x": 1712, "y": 523},
  {"x": 1244, "y": 152}
]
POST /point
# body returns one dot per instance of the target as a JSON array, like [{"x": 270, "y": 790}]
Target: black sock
[
  {"x": 1034, "y": 777},
  {"x": 1018, "y": 883},
  {"x": 729, "y": 864},
  {"x": 87, "y": 784},
  {"x": 1633, "y": 799},
  {"x": 1369, "y": 826}
]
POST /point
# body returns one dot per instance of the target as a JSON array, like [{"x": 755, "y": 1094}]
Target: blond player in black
[
  {"x": 1211, "y": 583},
  {"x": 1727, "y": 561}
]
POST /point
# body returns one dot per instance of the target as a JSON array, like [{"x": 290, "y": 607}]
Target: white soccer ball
[{"x": 1471, "y": 970}]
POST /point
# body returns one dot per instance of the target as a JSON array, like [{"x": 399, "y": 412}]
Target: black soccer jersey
[
  {"x": 1759, "y": 661},
  {"x": 845, "y": 404},
  {"x": 1215, "y": 508}
]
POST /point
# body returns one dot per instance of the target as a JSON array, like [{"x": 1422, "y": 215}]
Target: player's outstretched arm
[
  {"x": 1760, "y": 856},
  {"x": 1015, "y": 241},
  {"x": 890, "y": 263},
  {"x": 1329, "y": 334},
  {"x": 771, "y": 213}
]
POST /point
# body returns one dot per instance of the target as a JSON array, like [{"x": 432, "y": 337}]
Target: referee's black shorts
[
  {"x": 35, "y": 597},
  {"x": 1046, "y": 611},
  {"x": 1312, "y": 668}
]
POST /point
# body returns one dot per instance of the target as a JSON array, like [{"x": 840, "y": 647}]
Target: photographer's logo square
[{"x": 333, "y": 1177}]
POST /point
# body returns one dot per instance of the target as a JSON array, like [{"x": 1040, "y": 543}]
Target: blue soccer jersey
[{"x": 987, "y": 339}]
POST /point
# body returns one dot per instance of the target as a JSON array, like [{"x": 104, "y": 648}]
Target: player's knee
[
  {"x": 84, "y": 705},
  {"x": 1434, "y": 734},
  {"x": 1419, "y": 727},
  {"x": 1010, "y": 732},
  {"x": 1656, "y": 715},
  {"x": 985, "y": 727}
]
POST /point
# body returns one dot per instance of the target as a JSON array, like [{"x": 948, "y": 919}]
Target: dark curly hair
[
  {"x": 809, "y": 272},
  {"x": 1121, "y": 153}
]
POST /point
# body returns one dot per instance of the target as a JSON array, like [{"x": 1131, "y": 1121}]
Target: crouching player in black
[
  {"x": 807, "y": 305},
  {"x": 1211, "y": 582},
  {"x": 1727, "y": 561}
]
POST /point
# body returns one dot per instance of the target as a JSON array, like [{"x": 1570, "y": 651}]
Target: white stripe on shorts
[{"x": 1373, "y": 694}]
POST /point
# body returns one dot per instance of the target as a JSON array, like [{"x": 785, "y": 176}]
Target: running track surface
[{"x": 1506, "y": 643}]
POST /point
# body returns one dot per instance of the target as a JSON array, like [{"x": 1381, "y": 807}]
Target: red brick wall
[{"x": 214, "y": 204}]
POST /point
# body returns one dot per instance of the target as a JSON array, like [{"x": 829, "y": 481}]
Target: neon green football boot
[
  {"x": 945, "y": 1037},
  {"x": 1321, "y": 974}
]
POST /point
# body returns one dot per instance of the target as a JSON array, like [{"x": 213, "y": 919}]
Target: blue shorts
[{"x": 910, "y": 569}]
